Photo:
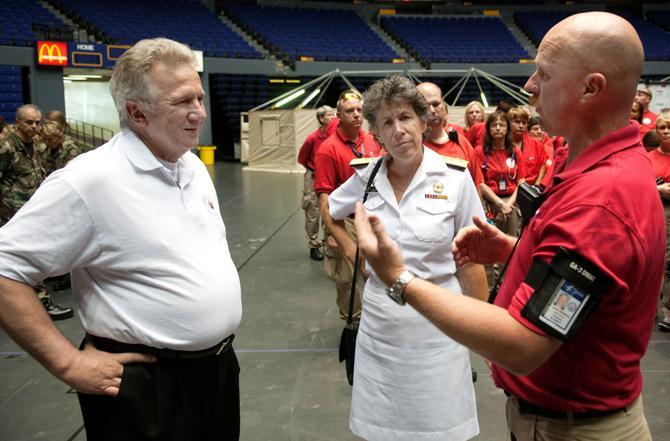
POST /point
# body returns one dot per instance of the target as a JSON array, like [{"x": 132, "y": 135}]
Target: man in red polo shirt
[
  {"x": 310, "y": 202},
  {"x": 643, "y": 97},
  {"x": 440, "y": 140},
  {"x": 570, "y": 373},
  {"x": 332, "y": 170}
]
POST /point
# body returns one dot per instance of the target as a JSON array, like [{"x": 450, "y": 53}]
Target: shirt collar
[
  {"x": 621, "y": 139},
  {"x": 140, "y": 156},
  {"x": 346, "y": 140}
]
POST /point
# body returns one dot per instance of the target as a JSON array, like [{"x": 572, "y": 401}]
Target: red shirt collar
[
  {"x": 621, "y": 139},
  {"x": 346, "y": 140}
]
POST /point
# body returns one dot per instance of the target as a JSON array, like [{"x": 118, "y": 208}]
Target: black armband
[{"x": 565, "y": 292}]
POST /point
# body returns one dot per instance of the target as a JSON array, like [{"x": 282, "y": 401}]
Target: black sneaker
[
  {"x": 62, "y": 283},
  {"x": 315, "y": 254},
  {"x": 664, "y": 325},
  {"x": 474, "y": 375},
  {"x": 57, "y": 312}
]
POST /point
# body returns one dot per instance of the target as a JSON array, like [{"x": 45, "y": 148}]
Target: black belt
[
  {"x": 107, "y": 345},
  {"x": 528, "y": 408}
]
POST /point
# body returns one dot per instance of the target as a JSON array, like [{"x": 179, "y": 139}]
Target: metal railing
[{"x": 87, "y": 133}]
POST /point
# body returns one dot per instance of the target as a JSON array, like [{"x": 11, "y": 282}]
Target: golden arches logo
[{"x": 51, "y": 53}]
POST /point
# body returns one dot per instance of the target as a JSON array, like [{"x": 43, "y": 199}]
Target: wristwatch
[{"x": 395, "y": 291}]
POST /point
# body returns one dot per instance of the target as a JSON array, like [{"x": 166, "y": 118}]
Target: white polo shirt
[{"x": 149, "y": 258}]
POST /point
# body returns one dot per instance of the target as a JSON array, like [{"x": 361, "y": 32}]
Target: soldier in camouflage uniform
[
  {"x": 21, "y": 172},
  {"x": 61, "y": 148}
]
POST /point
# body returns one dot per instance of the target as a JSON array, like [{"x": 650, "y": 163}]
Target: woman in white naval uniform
[{"x": 411, "y": 382}]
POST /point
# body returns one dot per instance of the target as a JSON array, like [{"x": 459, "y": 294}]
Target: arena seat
[
  {"x": 455, "y": 39},
  {"x": 190, "y": 22},
  {"x": 11, "y": 91},
  {"x": 18, "y": 19},
  {"x": 655, "y": 40},
  {"x": 328, "y": 35}
]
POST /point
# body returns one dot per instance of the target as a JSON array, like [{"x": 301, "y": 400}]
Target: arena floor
[{"x": 292, "y": 386}]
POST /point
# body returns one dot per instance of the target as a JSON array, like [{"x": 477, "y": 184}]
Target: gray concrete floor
[{"x": 292, "y": 386}]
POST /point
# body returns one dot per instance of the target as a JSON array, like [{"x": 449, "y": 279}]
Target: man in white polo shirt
[{"x": 140, "y": 231}]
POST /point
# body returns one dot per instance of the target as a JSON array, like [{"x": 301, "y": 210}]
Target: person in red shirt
[
  {"x": 503, "y": 172},
  {"x": 643, "y": 96},
  {"x": 333, "y": 168},
  {"x": 598, "y": 237},
  {"x": 310, "y": 202},
  {"x": 534, "y": 156},
  {"x": 660, "y": 161},
  {"x": 474, "y": 113},
  {"x": 440, "y": 140}
]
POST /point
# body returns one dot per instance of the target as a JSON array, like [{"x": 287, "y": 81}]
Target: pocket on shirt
[
  {"x": 434, "y": 223},
  {"x": 374, "y": 203}
]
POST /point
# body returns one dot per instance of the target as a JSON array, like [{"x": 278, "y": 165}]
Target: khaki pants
[
  {"x": 626, "y": 425},
  {"x": 310, "y": 203},
  {"x": 339, "y": 270}
]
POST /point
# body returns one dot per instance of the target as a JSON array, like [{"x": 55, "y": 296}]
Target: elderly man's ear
[{"x": 136, "y": 113}]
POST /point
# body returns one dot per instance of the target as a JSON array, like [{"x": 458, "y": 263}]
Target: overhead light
[
  {"x": 484, "y": 101},
  {"x": 309, "y": 98},
  {"x": 74, "y": 78},
  {"x": 289, "y": 98},
  {"x": 84, "y": 76},
  {"x": 67, "y": 81}
]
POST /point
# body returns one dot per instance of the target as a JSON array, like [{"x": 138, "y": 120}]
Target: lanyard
[{"x": 352, "y": 146}]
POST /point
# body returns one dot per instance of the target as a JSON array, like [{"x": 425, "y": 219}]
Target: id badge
[
  {"x": 502, "y": 184},
  {"x": 564, "y": 306}
]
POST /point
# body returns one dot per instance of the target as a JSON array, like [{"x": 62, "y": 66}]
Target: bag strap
[{"x": 368, "y": 188}]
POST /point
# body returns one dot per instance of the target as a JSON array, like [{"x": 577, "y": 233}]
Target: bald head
[
  {"x": 603, "y": 43},
  {"x": 588, "y": 66},
  {"x": 433, "y": 95}
]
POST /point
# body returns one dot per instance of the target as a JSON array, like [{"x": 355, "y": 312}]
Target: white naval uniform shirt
[
  {"x": 149, "y": 258},
  {"x": 411, "y": 381}
]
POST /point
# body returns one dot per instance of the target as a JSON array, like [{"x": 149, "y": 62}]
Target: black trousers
[{"x": 170, "y": 400}]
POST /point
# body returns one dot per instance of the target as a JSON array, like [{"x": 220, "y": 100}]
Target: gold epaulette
[
  {"x": 457, "y": 163},
  {"x": 360, "y": 162}
]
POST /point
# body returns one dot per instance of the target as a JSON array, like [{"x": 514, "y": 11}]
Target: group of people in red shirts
[
  {"x": 655, "y": 135},
  {"x": 500, "y": 152}
]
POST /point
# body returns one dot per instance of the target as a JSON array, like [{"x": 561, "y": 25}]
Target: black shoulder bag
[{"x": 350, "y": 331}]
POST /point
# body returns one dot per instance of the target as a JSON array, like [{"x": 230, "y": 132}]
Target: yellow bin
[{"x": 207, "y": 154}]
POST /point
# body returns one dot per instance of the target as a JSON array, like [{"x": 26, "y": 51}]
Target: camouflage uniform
[
  {"x": 21, "y": 172},
  {"x": 58, "y": 158}
]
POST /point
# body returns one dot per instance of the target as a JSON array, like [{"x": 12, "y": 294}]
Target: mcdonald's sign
[{"x": 52, "y": 53}]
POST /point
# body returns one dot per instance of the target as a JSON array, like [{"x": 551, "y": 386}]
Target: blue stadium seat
[
  {"x": 309, "y": 32},
  {"x": 462, "y": 39}
]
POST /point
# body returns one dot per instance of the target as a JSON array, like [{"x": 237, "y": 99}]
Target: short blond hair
[{"x": 665, "y": 117}]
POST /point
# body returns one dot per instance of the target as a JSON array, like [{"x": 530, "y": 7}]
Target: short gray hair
[
  {"x": 322, "y": 111},
  {"x": 22, "y": 109},
  {"x": 130, "y": 79},
  {"x": 393, "y": 88}
]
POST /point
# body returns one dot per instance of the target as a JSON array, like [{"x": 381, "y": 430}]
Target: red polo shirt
[
  {"x": 660, "y": 163},
  {"x": 462, "y": 150},
  {"x": 475, "y": 134},
  {"x": 455, "y": 127},
  {"x": 603, "y": 205},
  {"x": 534, "y": 157},
  {"x": 309, "y": 148},
  {"x": 497, "y": 166},
  {"x": 332, "y": 159}
]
